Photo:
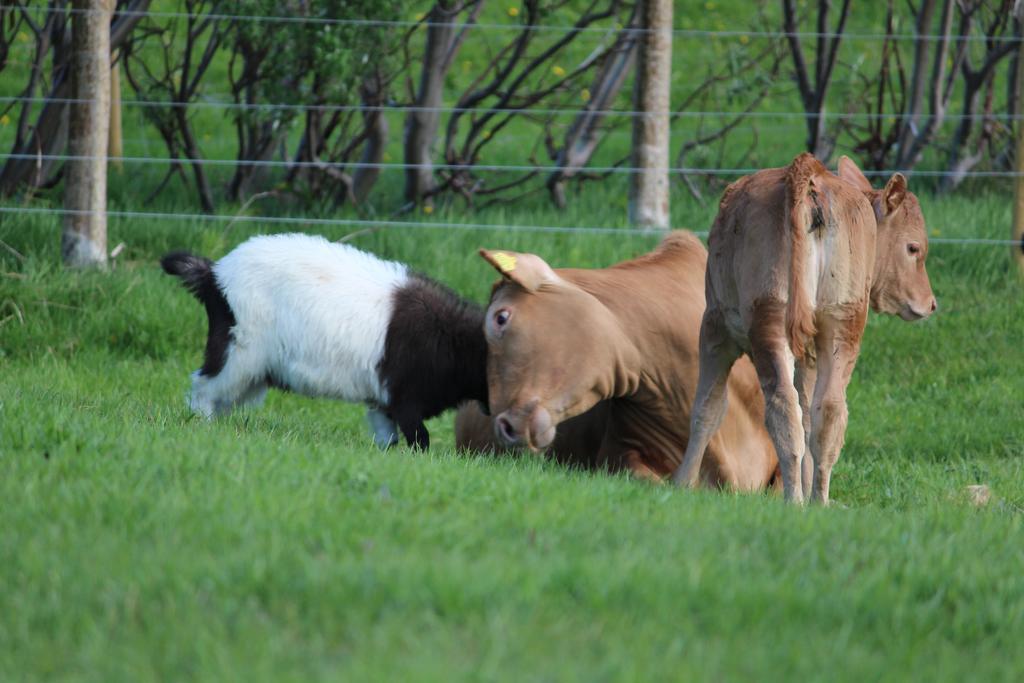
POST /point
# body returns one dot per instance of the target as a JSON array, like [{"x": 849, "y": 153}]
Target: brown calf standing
[{"x": 796, "y": 256}]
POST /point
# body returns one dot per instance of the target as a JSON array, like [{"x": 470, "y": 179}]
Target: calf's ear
[
  {"x": 529, "y": 271},
  {"x": 849, "y": 172},
  {"x": 894, "y": 193}
]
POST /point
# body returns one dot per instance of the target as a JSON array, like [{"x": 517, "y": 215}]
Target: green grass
[{"x": 140, "y": 543}]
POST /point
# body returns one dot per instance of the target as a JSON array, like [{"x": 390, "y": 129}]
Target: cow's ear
[
  {"x": 529, "y": 271},
  {"x": 849, "y": 172},
  {"x": 894, "y": 193}
]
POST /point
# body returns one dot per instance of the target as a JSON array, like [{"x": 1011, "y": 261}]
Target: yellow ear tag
[{"x": 505, "y": 261}]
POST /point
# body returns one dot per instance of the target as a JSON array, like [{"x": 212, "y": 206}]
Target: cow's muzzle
[
  {"x": 532, "y": 427},
  {"x": 912, "y": 312}
]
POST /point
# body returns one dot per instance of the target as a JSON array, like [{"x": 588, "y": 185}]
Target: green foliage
[{"x": 314, "y": 62}]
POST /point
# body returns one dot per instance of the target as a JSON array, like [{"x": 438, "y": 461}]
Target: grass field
[{"x": 139, "y": 543}]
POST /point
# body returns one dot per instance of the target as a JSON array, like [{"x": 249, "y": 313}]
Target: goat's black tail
[{"x": 196, "y": 273}]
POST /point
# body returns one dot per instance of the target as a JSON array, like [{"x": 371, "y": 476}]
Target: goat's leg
[
  {"x": 829, "y": 413},
  {"x": 410, "y": 421},
  {"x": 384, "y": 429},
  {"x": 718, "y": 353},
  {"x": 241, "y": 380}
]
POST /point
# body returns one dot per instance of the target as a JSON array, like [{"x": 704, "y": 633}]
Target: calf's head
[
  {"x": 900, "y": 284},
  {"x": 553, "y": 349}
]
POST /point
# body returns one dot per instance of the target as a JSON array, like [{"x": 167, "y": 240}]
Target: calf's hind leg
[
  {"x": 718, "y": 353},
  {"x": 805, "y": 377},
  {"x": 829, "y": 413},
  {"x": 775, "y": 368}
]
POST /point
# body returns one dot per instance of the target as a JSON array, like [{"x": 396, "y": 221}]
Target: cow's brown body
[
  {"x": 623, "y": 339},
  {"x": 797, "y": 256}
]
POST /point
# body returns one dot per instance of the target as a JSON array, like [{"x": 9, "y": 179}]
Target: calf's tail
[{"x": 800, "y": 327}]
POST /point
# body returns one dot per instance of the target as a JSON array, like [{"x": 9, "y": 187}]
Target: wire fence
[
  {"x": 370, "y": 223},
  {"x": 517, "y": 168},
  {"x": 220, "y": 102},
  {"x": 214, "y": 101}
]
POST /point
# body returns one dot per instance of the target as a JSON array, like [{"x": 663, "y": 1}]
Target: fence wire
[
  {"x": 518, "y": 168},
  {"x": 417, "y": 225},
  {"x": 211, "y": 102}
]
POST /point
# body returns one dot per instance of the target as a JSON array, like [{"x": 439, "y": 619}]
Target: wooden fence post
[
  {"x": 84, "y": 239},
  {"x": 649, "y": 186}
]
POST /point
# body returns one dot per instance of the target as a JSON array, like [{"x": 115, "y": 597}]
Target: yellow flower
[
  {"x": 513, "y": 11},
  {"x": 935, "y": 232},
  {"x": 419, "y": 16},
  {"x": 466, "y": 66},
  {"x": 4, "y": 120},
  {"x": 428, "y": 209},
  {"x": 487, "y": 135},
  {"x": 22, "y": 37},
  {"x": 585, "y": 95},
  {"x": 558, "y": 71},
  {"x": 709, "y": 6},
  {"x": 744, "y": 39},
  {"x": 387, "y": 157}
]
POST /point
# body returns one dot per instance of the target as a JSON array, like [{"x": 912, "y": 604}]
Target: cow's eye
[
  {"x": 913, "y": 248},
  {"x": 502, "y": 316}
]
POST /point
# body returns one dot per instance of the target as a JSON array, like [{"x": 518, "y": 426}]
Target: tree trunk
[
  {"x": 84, "y": 241},
  {"x": 915, "y": 104},
  {"x": 939, "y": 97},
  {"x": 649, "y": 186},
  {"x": 49, "y": 132},
  {"x": 813, "y": 85},
  {"x": 364, "y": 177},
  {"x": 115, "y": 148},
  {"x": 583, "y": 136},
  {"x": 421, "y": 124},
  {"x": 195, "y": 158},
  {"x": 957, "y": 166},
  {"x": 1018, "y": 199}
]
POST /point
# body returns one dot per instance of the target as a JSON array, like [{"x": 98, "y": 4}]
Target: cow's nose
[{"x": 505, "y": 429}]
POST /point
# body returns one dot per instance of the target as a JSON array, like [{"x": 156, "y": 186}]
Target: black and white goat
[{"x": 324, "y": 319}]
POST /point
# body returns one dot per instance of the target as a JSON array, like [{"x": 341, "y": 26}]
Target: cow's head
[
  {"x": 900, "y": 284},
  {"x": 552, "y": 349}
]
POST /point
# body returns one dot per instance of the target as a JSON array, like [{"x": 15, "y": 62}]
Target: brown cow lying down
[
  {"x": 797, "y": 255},
  {"x": 623, "y": 339}
]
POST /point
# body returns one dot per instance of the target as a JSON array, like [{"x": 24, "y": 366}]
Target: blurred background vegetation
[{"x": 319, "y": 107}]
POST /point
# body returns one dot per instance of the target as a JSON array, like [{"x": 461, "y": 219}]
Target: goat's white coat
[{"x": 311, "y": 314}]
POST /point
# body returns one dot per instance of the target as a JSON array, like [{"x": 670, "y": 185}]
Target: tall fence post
[
  {"x": 649, "y": 184},
  {"x": 1018, "y": 200},
  {"x": 84, "y": 239}
]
